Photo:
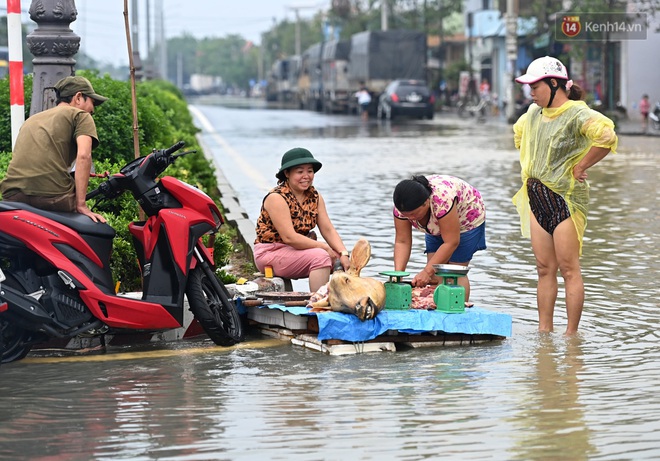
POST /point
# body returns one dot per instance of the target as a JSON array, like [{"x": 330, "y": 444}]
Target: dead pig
[{"x": 348, "y": 292}]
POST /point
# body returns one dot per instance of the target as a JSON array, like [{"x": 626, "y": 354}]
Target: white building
[{"x": 640, "y": 70}]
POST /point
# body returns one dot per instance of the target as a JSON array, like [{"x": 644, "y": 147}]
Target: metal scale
[
  {"x": 449, "y": 297},
  {"x": 398, "y": 294}
]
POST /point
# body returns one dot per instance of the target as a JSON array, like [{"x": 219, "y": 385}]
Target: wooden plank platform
[
  {"x": 332, "y": 347},
  {"x": 303, "y": 330}
]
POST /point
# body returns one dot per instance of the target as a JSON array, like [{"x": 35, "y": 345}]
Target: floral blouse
[{"x": 447, "y": 192}]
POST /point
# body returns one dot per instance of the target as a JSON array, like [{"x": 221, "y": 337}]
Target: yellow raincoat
[{"x": 551, "y": 142}]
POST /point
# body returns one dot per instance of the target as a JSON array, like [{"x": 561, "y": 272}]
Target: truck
[
  {"x": 292, "y": 78},
  {"x": 278, "y": 86},
  {"x": 378, "y": 57},
  {"x": 204, "y": 84},
  {"x": 310, "y": 84},
  {"x": 334, "y": 71}
]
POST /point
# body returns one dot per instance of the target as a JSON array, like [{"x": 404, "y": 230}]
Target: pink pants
[{"x": 288, "y": 262}]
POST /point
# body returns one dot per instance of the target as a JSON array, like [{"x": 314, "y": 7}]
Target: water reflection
[
  {"x": 111, "y": 410},
  {"x": 550, "y": 423}
]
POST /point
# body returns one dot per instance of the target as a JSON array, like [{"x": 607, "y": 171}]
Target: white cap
[{"x": 543, "y": 68}]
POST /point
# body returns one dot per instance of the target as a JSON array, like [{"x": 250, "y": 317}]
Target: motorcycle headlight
[{"x": 217, "y": 219}]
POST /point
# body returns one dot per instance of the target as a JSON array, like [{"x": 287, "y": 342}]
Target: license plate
[{"x": 413, "y": 97}]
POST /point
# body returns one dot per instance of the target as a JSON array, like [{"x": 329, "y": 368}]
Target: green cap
[
  {"x": 297, "y": 156},
  {"x": 69, "y": 86}
]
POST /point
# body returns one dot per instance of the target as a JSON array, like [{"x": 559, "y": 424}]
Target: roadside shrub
[
  {"x": 5, "y": 115},
  {"x": 163, "y": 119}
]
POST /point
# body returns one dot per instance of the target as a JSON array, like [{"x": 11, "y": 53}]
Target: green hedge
[{"x": 163, "y": 119}]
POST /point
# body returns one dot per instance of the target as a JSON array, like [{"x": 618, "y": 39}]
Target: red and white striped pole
[{"x": 15, "y": 42}]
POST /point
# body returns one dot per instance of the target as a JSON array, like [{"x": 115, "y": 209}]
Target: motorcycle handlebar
[
  {"x": 151, "y": 169},
  {"x": 92, "y": 194},
  {"x": 105, "y": 188},
  {"x": 170, "y": 150}
]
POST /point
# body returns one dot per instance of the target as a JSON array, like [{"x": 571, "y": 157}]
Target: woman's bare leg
[
  {"x": 546, "y": 269},
  {"x": 567, "y": 249},
  {"x": 465, "y": 283},
  {"x": 462, "y": 281},
  {"x": 318, "y": 278}
]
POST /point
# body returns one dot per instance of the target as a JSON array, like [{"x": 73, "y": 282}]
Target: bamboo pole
[
  {"x": 136, "y": 137},
  {"x": 136, "y": 134}
]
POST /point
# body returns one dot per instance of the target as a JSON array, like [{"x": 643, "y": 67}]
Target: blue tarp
[{"x": 347, "y": 327}]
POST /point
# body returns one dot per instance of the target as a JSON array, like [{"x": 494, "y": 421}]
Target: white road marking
[{"x": 258, "y": 180}]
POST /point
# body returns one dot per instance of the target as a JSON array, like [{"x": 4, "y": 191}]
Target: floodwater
[{"x": 531, "y": 397}]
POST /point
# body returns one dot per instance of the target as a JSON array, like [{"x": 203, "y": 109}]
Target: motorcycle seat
[{"x": 76, "y": 221}]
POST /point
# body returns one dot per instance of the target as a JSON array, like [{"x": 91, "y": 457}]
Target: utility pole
[
  {"x": 511, "y": 41},
  {"x": 179, "y": 70},
  {"x": 162, "y": 40},
  {"x": 470, "y": 26},
  {"x": 260, "y": 64},
  {"x": 296, "y": 10},
  {"x": 383, "y": 15},
  {"x": 148, "y": 29},
  {"x": 134, "y": 27},
  {"x": 135, "y": 45}
]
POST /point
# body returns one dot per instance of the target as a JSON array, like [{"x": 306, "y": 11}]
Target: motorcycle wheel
[
  {"x": 14, "y": 340},
  {"x": 210, "y": 304}
]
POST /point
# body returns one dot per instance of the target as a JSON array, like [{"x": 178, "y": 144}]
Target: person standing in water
[{"x": 559, "y": 138}]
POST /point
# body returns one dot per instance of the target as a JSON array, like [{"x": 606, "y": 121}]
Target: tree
[
  {"x": 232, "y": 58},
  {"x": 280, "y": 40},
  {"x": 181, "y": 51}
]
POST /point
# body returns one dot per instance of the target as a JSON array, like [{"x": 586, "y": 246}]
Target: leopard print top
[{"x": 303, "y": 215}]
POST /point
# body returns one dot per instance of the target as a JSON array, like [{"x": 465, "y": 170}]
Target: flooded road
[{"x": 531, "y": 397}]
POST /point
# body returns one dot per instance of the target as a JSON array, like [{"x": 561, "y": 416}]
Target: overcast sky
[{"x": 100, "y": 23}]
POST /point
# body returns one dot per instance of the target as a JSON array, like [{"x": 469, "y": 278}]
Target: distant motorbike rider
[{"x": 49, "y": 145}]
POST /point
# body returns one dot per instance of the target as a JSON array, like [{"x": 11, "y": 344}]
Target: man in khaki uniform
[{"x": 49, "y": 144}]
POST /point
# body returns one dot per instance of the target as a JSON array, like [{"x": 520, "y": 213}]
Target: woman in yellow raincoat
[{"x": 559, "y": 138}]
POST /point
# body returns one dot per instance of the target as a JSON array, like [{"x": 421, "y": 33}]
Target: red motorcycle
[{"x": 55, "y": 278}]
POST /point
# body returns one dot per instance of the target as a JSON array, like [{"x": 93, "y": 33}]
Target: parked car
[{"x": 406, "y": 97}]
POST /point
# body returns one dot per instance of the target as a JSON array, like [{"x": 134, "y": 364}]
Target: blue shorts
[{"x": 471, "y": 242}]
